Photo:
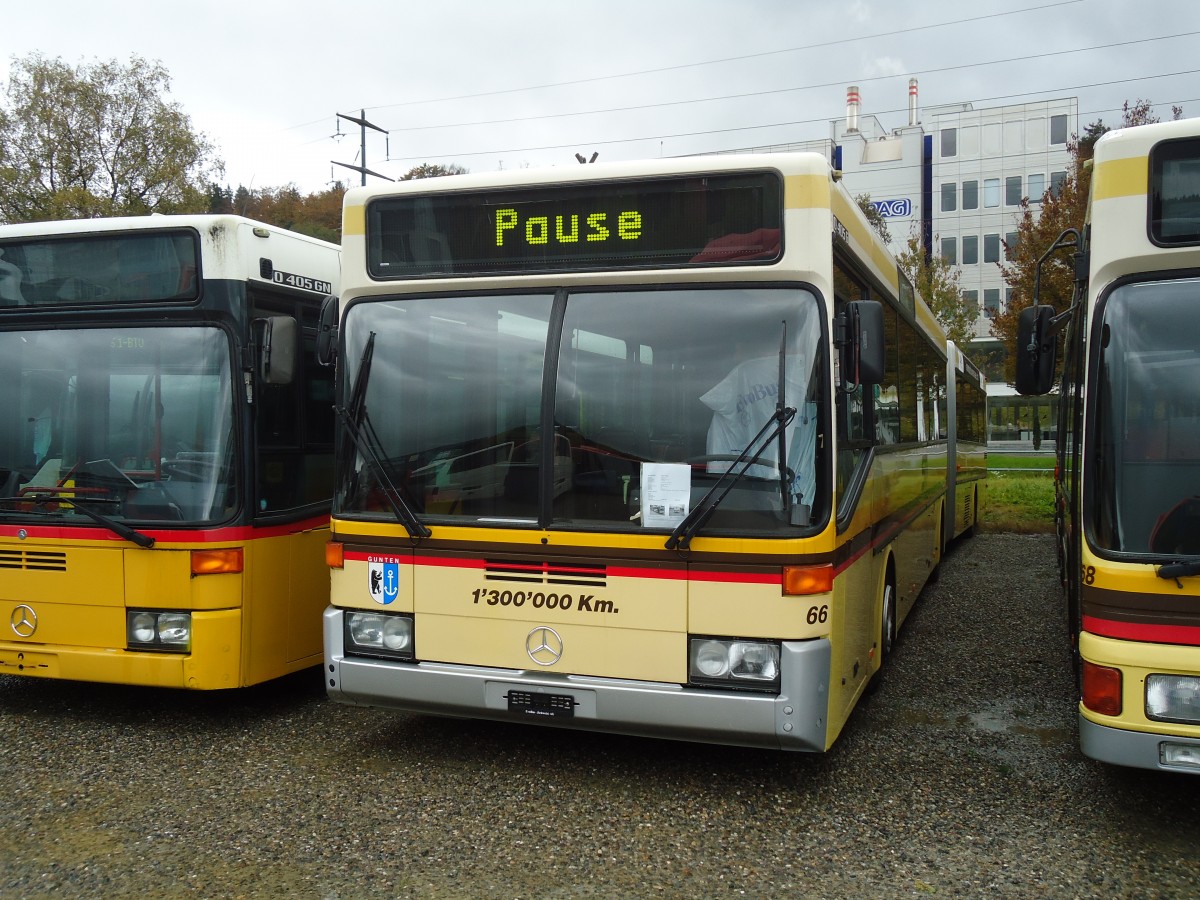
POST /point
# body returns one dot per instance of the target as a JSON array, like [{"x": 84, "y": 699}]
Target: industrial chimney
[
  {"x": 852, "y": 104},
  {"x": 912, "y": 101}
]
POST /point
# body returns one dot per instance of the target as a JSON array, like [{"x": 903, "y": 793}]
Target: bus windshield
[
  {"x": 1147, "y": 475},
  {"x": 136, "y": 424},
  {"x": 654, "y": 394}
]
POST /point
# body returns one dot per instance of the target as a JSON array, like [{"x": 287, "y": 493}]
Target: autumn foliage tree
[
  {"x": 98, "y": 139},
  {"x": 318, "y": 214},
  {"x": 1038, "y": 228}
]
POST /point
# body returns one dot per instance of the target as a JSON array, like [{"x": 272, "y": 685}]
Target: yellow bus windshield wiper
[{"x": 358, "y": 426}]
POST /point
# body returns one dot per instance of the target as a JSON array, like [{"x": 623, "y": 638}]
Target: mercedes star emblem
[
  {"x": 24, "y": 621},
  {"x": 544, "y": 646}
]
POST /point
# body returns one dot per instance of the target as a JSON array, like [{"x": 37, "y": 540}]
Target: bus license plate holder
[
  {"x": 539, "y": 705},
  {"x": 25, "y": 662}
]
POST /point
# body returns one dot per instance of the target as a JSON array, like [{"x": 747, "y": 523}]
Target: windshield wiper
[
  {"x": 52, "y": 493},
  {"x": 358, "y": 425},
  {"x": 784, "y": 482},
  {"x": 1179, "y": 570},
  {"x": 682, "y": 536}
]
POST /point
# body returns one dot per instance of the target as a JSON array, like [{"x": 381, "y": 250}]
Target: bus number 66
[{"x": 818, "y": 614}]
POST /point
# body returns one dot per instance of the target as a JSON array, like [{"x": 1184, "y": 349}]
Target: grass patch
[
  {"x": 1021, "y": 502},
  {"x": 1021, "y": 461}
]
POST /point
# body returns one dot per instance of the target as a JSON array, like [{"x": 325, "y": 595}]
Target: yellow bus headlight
[{"x": 147, "y": 629}]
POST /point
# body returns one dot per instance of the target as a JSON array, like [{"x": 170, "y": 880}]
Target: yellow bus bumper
[
  {"x": 1132, "y": 739},
  {"x": 213, "y": 662}
]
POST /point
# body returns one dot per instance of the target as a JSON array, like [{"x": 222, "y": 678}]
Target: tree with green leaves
[
  {"x": 874, "y": 217},
  {"x": 1039, "y": 228},
  {"x": 97, "y": 139},
  {"x": 938, "y": 284}
]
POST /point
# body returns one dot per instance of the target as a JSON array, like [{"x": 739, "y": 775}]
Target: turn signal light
[
  {"x": 217, "y": 562},
  {"x": 335, "y": 554},
  {"x": 798, "y": 580},
  {"x": 1102, "y": 689}
]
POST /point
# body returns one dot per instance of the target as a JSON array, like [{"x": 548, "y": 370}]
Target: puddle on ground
[{"x": 992, "y": 721}]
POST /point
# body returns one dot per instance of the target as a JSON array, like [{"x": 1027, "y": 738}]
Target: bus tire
[{"x": 887, "y": 632}]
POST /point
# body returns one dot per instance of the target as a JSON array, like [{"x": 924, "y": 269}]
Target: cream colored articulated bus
[
  {"x": 1128, "y": 489},
  {"x": 655, "y": 448}
]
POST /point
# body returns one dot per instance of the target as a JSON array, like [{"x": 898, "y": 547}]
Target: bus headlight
[
  {"x": 1173, "y": 698},
  {"x": 744, "y": 664},
  {"x": 147, "y": 629},
  {"x": 377, "y": 634}
]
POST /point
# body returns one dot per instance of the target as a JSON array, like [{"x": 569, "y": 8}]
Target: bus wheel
[
  {"x": 887, "y": 638},
  {"x": 887, "y": 635}
]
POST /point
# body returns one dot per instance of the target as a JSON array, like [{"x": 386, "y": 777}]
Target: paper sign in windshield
[{"x": 666, "y": 494}]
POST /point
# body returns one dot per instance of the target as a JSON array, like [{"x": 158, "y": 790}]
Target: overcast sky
[{"x": 487, "y": 84}]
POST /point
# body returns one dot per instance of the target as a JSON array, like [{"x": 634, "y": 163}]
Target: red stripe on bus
[
  {"x": 739, "y": 577},
  {"x": 1133, "y": 631},
  {"x": 235, "y": 533}
]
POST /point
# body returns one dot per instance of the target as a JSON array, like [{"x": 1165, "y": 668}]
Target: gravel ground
[{"x": 961, "y": 777}]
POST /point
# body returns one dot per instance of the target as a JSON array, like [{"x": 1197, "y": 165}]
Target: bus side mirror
[
  {"x": 1036, "y": 350},
  {"x": 327, "y": 331},
  {"x": 277, "y": 350},
  {"x": 862, "y": 343}
]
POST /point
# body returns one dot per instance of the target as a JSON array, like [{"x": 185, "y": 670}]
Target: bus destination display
[{"x": 659, "y": 223}]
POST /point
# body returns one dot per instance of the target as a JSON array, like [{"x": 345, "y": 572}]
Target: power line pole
[{"x": 363, "y": 124}]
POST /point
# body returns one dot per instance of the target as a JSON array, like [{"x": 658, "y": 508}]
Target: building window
[
  {"x": 970, "y": 195},
  {"x": 971, "y": 300},
  {"x": 1058, "y": 129},
  {"x": 950, "y": 250},
  {"x": 991, "y": 192},
  {"x": 991, "y": 302},
  {"x": 1037, "y": 187},
  {"x": 1035, "y": 135},
  {"x": 970, "y": 249},
  {"x": 949, "y": 197},
  {"x": 991, "y": 248},
  {"x": 1012, "y": 190},
  {"x": 969, "y": 142},
  {"x": 991, "y": 139},
  {"x": 1010, "y": 245},
  {"x": 1014, "y": 137},
  {"x": 949, "y": 142},
  {"x": 1056, "y": 182}
]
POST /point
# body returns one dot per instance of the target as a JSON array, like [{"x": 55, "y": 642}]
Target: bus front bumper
[
  {"x": 213, "y": 663},
  {"x": 1139, "y": 749},
  {"x": 794, "y": 719}
]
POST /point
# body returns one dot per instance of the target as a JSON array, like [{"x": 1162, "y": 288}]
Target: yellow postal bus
[
  {"x": 166, "y": 445},
  {"x": 656, "y": 448}
]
